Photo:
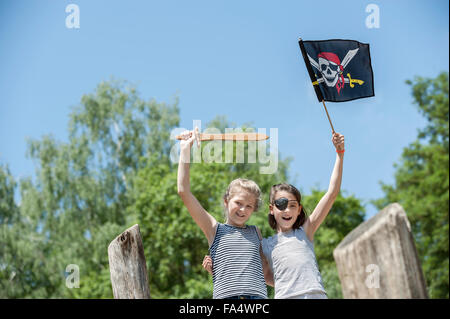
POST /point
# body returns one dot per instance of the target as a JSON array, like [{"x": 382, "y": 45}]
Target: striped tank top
[{"x": 237, "y": 267}]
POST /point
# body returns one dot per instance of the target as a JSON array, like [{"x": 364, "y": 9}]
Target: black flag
[{"x": 340, "y": 70}]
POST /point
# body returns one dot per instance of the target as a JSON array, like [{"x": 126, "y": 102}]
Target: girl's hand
[
  {"x": 338, "y": 141},
  {"x": 188, "y": 138},
  {"x": 207, "y": 264}
]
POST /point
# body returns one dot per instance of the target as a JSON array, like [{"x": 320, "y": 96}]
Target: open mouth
[{"x": 286, "y": 218}]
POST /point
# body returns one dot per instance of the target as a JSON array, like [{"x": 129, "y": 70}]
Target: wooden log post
[
  {"x": 378, "y": 259},
  {"x": 127, "y": 265}
]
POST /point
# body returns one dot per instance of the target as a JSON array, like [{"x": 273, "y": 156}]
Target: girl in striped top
[{"x": 234, "y": 246}]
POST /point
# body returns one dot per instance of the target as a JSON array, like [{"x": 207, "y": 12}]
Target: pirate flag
[{"x": 340, "y": 70}]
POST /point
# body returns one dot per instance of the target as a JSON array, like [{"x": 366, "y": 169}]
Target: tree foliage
[
  {"x": 117, "y": 169},
  {"x": 79, "y": 200},
  {"x": 422, "y": 182}
]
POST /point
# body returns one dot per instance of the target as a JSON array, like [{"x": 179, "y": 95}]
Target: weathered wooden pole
[
  {"x": 127, "y": 265},
  {"x": 378, "y": 259}
]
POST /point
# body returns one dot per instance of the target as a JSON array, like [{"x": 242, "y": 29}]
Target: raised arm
[
  {"x": 204, "y": 220},
  {"x": 313, "y": 222}
]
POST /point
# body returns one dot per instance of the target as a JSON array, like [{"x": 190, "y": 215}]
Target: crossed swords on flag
[{"x": 348, "y": 57}]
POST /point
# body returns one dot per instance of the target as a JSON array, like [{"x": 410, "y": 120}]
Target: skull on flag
[
  {"x": 340, "y": 70},
  {"x": 331, "y": 69}
]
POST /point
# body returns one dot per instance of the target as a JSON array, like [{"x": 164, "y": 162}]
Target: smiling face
[
  {"x": 285, "y": 218},
  {"x": 239, "y": 208},
  {"x": 329, "y": 70}
]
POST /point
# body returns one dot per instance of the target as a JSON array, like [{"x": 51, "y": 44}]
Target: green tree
[
  {"x": 20, "y": 249},
  {"x": 422, "y": 183},
  {"x": 79, "y": 200},
  {"x": 8, "y": 218},
  {"x": 116, "y": 170}
]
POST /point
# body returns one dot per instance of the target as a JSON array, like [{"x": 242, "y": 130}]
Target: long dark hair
[{"x": 294, "y": 191}]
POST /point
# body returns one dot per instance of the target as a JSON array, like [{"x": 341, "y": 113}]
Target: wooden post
[
  {"x": 378, "y": 259},
  {"x": 127, "y": 265}
]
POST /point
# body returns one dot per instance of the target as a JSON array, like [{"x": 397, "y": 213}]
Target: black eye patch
[{"x": 281, "y": 203}]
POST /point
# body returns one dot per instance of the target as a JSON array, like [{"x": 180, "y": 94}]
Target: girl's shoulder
[
  {"x": 269, "y": 240},
  {"x": 301, "y": 233}
]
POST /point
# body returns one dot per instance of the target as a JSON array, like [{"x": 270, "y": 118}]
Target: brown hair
[{"x": 294, "y": 191}]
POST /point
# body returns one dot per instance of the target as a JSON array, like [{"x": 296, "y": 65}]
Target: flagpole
[{"x": 332, "y": 128}]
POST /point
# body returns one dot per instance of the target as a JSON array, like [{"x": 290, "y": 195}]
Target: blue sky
[{"x": 235, "y": 58}]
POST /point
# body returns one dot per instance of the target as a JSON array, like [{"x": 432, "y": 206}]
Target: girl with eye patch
[{"x": 290, "y": 252}]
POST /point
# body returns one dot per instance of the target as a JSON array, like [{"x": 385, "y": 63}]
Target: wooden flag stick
[
  {"x": 332, "y": 128},
  {"x": 230, "y": 137}
]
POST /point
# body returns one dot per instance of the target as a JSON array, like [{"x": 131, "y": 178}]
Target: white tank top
[{"x": 292, "y": 259}]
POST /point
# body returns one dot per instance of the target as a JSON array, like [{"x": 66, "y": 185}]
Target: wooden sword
[{"x": 230, "y": 137}]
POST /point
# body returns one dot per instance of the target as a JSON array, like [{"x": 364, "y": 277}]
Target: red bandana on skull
[{"x": 331, "y": 57}]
